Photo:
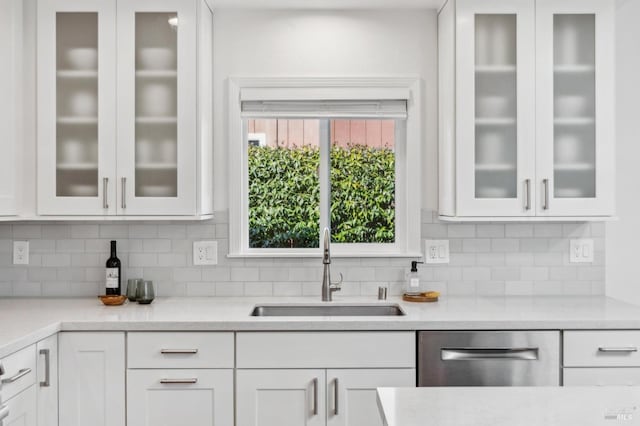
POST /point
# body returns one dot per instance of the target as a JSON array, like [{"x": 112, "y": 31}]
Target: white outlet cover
[
  {"x": 21, "y": 252},
  {"x": 581, "y": 251},
  {"x": 205, "y": 252},
  {"x": 436, "y": 251}
]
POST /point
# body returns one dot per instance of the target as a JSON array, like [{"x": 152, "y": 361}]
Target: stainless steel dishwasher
[{"x": 488, "y": 358}]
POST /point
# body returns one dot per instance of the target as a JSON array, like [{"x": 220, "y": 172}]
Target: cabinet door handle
[
  {"x": 47, "y": 368},
  {"x": 4, "y": 412},
  {"x": 527, "y": 194},
  {"x": 545, "y": 186},
  {"x": 618, "y": 349},
  {"x": 191, "y": 381},
  {"x": 178, "y": 351},
  {"x": 335, "y": 396},
  {"x": 20, "y": 374},
  {"x": 105, "y": 196},
  {"x": 124, "y": 192},
  {"x": 315, "y": 397}
]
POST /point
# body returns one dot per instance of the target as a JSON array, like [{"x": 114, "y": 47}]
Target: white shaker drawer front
[
  {"x": 180, "y": 350},
  {"x": 326, "y": 350},
  {"x": 601, "y": 376},
  {"x": 19, "y": 372},
  {"x": 602, "y": 348}
]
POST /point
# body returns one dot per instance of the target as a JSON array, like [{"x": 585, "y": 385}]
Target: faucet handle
[{"x": 335, "y": 286}]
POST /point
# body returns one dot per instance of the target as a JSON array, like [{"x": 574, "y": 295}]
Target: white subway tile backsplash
[
  {"x": 486, "y": 259},
  {"x": 27, "y": 231},
  {"x": 287, "y": 289},
  {"x": 490, "y": 231},
  {"x": 201, "y": 289},
  {"x": 476, "y": 245},
  {"x": 519, "y": 231},
  {"x": 85, "y": 231},
  {"x": 461, "y": 231}
]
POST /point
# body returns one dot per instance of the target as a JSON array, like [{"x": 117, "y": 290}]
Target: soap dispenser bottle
[{"x": 413, "y": 286}]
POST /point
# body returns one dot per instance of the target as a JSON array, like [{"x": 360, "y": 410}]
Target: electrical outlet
[
  {"x": 21, "y": 252},
  {"x": 205, "y": 252},
  {"x": 581, "y": 251},
  {"x": 436, "y": 251}
]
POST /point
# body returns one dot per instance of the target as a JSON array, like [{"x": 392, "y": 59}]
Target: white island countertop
[
  {"x": 510, "y": 406},
  {"x": 25, "y": 321}
]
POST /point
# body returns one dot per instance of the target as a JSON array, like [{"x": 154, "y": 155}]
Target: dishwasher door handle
[{"x": 476, "y": 354}]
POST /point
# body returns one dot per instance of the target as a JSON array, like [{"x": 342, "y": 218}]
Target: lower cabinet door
[
  {"x": 92, "y": 379},
  {"x": 180, "y": 397},
  {"x": 280, "y": 397},
  {"x": 47, "y": 384},
  {"x": 601, "y": 376},
  {"x": 351, "y": 394},
  {"x": 22, "y": 409}
]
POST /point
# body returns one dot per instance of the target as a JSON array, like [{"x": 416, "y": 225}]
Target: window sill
[{"x": 318, "y": 255}]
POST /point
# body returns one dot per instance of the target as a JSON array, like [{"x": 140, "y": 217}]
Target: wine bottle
[{"x": 113, "y": 272}]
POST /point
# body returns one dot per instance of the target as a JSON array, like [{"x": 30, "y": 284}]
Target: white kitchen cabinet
[
  {"x": 521, "y": 134},
  {"x": 22, "y": 409},
  {"x": 352, "y": 398},
  {"x": 601, "y": 358},
  {"x": 124, "y": 108},
  {"x": 92, "y": 378},
  {"x": 280, "y": 397},
  {"x": 321, "y": 378},
  {"x": 180, "y": 397},
  {"x": 47, "y": 381},
  {"x": 10, "y": 104},
  {"x": 601, "y": 376},
  {"x": 575, "y": 95}
]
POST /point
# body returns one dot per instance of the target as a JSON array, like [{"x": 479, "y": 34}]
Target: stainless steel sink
[{"x": 361, "y": 310}]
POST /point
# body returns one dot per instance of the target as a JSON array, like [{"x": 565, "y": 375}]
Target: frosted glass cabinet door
[
  {"x": 76, "y": 107},
  {"x": 495, "y": 102},
  {"x": 156, "y": 108},
  {"x": 575, "y": 116}
]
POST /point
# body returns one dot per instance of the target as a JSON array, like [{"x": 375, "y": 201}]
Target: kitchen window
[{"x": 305, "y": 159}]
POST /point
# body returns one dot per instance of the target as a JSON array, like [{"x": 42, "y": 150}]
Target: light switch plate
[
  {"x": 436, "y": 251},
  {"x": 205, "y": 252},
  {"x": 21, "y": 252},
  {"x": 581, "y": 251}
]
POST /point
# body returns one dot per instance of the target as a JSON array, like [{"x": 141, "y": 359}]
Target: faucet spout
[{"x": 328, "y": 287}]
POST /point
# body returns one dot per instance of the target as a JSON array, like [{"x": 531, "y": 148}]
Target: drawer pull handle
[
  {"x": 20, "y": 374},
  {"x": 178, "y": 351},
  {"x": 474, "y": 354},
  {"x": 620, "y": 349},
  {"x": 4, "y": 412},
  {"x": 47, "y": 368},
  {"x": 179, "y": 381}
]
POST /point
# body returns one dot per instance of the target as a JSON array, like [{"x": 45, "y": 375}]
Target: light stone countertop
[
  {"x": 25, "y": 321},
  {"x": 510, "y": 406}
]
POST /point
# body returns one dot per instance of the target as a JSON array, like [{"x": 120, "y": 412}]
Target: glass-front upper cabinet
[
  {"x": 575, "y": 115},
  {"x": 76, "y": 107},
  {"x": 495, "y": 105},
  {"x": 156, "y": 111},
  {"x": 120, "y": 116}
]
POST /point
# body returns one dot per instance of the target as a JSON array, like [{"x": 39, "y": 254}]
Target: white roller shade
[{"x": 396, "y": 109}]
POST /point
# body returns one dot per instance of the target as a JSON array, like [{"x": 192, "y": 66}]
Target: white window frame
[{"x": 408, "y": 158}]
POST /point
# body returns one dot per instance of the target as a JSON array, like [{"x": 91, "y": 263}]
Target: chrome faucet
[{"x": 327, "y": 286}]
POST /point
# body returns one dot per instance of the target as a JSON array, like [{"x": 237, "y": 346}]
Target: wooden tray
[
  {"x": 113, "y": 300},
  {"x": 428, "y": 296}
]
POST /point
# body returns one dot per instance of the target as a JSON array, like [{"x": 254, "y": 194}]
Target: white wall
[
  {"x": 623, "y": 235},
  {"x": 325, "y": 43}
]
